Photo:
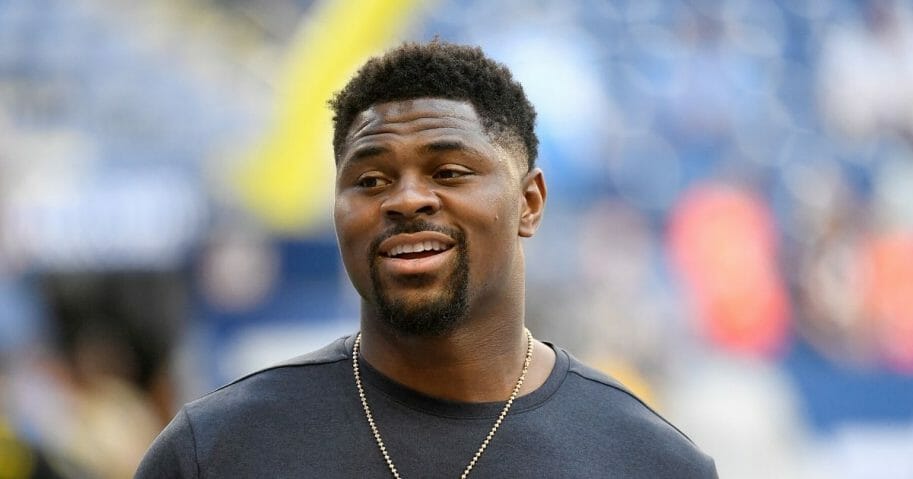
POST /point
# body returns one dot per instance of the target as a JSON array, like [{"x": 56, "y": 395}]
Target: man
[{"x": 436, "y": 185}]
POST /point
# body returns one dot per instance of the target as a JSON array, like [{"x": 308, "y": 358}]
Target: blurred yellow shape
[
  {"x": 289, "y": 183},
  {"x": 16, "y": 461}
]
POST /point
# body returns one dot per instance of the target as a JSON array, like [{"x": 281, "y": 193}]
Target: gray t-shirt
[{"x": 303, "y": 419}]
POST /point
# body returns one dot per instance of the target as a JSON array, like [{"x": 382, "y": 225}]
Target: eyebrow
[
  {"x": 443, "y": 146},
  {"x": 366, "y": 152},
  {"x": 440, "y": 146}
]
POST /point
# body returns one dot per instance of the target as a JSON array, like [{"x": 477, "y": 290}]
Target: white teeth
[{"x": 417, "y": 248}]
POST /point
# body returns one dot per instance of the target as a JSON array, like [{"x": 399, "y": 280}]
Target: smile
[
  {"x": 417, "y": 250},
  {"x": 416, "y": 253}
]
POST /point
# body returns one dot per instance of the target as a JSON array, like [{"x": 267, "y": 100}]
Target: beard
[{"x": 434, "y": 317}]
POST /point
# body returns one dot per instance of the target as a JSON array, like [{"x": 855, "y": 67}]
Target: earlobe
[{"x": 532, "y": 203}]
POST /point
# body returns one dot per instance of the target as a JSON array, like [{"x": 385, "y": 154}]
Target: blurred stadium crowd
[{"x": 729, "y": 229}]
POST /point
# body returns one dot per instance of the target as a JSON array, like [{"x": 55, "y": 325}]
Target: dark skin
[{"x": 431, "y": 160}]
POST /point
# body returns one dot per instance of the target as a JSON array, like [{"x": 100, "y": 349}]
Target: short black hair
[{"x": 440, "y": 70}]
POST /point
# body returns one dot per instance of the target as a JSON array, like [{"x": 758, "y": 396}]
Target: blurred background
[{"x": 729, "y": 228}]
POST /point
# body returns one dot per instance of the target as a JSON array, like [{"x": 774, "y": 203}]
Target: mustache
[{"x": 415, "y": 226}]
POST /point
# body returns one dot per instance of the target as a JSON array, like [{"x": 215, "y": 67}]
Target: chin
[
  {"x": 423, "y": 316},
  {"x": 424, "y": 308}
]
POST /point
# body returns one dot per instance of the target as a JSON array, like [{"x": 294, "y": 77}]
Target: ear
[{"x": 532, "y": 203}]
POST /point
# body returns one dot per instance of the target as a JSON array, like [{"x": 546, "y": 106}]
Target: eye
[
  {"x": 451, "y": 173},
  {"x": 369, "y": 181}
]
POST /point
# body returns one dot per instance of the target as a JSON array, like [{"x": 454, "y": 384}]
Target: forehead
[
  {"x": 417, "y": 117},
  {"x": 440, "y": 109}
]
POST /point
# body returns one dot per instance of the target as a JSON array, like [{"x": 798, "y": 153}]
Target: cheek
[
  {"x": 495, "y": 228},
  {"x": 352, "y": 225},
  {"x": 352, "y": 218},
  {"x": 502, "y": 214}
]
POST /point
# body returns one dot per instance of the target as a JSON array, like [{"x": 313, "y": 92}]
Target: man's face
[{"x": 428, "y": 213}]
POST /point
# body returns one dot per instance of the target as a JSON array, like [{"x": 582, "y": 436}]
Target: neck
[{"x": 474, "y": 363}]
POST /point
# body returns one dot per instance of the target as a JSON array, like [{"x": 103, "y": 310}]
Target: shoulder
[
  {"x": 307, "y": 376},
  {"x": 337, "y": 351},
  {"x": 613, "y": 393},
  {"x": 238, "y": 424},
  {"x": 626, "y": 417}
]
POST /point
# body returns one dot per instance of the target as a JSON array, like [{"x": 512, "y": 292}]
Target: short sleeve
[{"x": 172, "y": 454}]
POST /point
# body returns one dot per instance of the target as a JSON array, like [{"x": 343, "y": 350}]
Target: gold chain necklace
[{"x": 491, "y": 434}]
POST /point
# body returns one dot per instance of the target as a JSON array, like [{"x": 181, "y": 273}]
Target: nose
[{"x": 409, "y": 198}]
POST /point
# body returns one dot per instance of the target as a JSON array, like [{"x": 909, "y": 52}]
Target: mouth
[{"x": 416, "y": 252}]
